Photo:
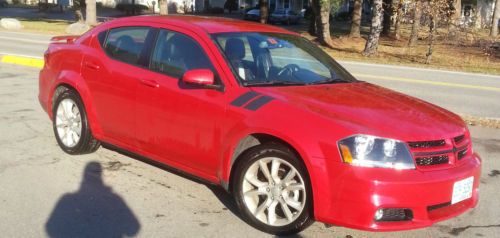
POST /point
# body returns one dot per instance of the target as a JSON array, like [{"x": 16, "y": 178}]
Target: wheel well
[
  {"x": 251, "y": 141},
  {"x": 60, "y": 89}
]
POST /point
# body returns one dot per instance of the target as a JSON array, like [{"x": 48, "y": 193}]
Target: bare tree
[
  {"x": 321, "y": 10},
  {"x": 456, "y": 15},
  {"x": 417, "y": 15},
  {"x": 432, "y": 34},
  {"x": 397, "y": 22},
  {"x": 163, "y": 7},
  {"x": 375, "y": 29},
  {"x": 91, "y": 13},
  {"x": 356, "y": 19},
  {"x": 264, "y": 11},
  {"x": 387, "y": 15},
  {"x": 496, "y": 17},
  {"x": 435, "y": 9},
  {"x": 77, "y": 8}
]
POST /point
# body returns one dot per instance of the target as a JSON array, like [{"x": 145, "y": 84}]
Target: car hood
[{"x": 367, "y": 108}]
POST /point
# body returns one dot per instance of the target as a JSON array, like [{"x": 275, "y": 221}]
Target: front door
[{"x": 177, "y": 122}]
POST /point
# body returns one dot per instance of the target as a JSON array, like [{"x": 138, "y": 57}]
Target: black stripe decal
[
  {"x": 258, "y": 103},
  {"x": 241, "y": 100}
]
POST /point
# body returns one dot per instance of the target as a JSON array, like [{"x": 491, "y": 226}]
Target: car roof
[{"x": 207, "y": 24}]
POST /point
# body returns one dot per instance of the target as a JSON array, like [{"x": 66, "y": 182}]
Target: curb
[{"x": 22, "y": 60}]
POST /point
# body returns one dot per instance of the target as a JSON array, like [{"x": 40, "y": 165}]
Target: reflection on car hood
[{"x": 372, "y": 108}]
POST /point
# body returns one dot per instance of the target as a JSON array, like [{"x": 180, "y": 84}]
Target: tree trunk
[
  {"x": 496, "y": 16},
  {"x": 417, "y": 14},
  {"x": 312, "y": 23},
  {"x": 323, "y": 22},
  {"x": 375, "y": 29},
  {"x": 387, "y": 15},
  {"x": 455, "y": 19},
  {"x": 432, "y": 32},
  {"x": 79, "y": 16},
  {"x": 397, "y": 24},
  {"x": 163, "y": 7},
  {"x": 91, "y": 13},
  {"x": 356, "y": 19},
  {"x": 264, "y": 11}
]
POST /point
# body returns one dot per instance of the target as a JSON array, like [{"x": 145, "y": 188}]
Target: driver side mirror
[{"x": 202, "y": 77}]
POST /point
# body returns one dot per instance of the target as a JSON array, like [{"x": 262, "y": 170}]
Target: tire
[
  {"x": 71, "y": 120},
  {"x": 289, "y": 198}
]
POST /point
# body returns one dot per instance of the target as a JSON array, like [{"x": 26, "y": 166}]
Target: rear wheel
[
  {"x": 71, "y": 126},
  {"x": 272, "y": 190}
]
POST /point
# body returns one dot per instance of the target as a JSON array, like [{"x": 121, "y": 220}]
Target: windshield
[{"x": 278, "y": 59}]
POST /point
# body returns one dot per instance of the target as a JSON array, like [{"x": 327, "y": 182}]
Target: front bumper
[{"x": 354, "y": 194}]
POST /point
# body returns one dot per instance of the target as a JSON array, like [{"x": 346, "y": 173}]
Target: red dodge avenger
[{"x": 265, "y": 114}]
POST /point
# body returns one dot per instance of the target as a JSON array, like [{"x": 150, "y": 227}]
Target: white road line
[
  {"x": 497, "y": 77},
  {"x": 24, "y": 40},
  {"x": 25, "y": 33},
  {"x": 21, "y": 55}
]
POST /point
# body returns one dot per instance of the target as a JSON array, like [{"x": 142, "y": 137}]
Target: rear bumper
[{"x": 357, "y": 193}]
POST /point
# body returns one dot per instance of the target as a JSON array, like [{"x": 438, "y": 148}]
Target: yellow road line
[
  {"x": 20, "y": 60},
  {"x": 457, "y": 85}
]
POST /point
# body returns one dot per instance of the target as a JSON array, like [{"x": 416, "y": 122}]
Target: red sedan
[{"x": 265, "y": 114}]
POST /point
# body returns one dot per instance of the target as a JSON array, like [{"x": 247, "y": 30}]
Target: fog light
[{"x": 393, "y": 214}]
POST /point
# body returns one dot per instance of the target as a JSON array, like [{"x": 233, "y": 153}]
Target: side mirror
[{"x": 203, "y": 77}]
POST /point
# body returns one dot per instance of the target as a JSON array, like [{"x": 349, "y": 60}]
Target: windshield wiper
[
  {"x": 329, "y": 81},
  {"x": 272, "y": 83}
]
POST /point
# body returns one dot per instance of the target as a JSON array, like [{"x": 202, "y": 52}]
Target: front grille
[
  {"x": 427, "y": 144},
  {"x": 459, "y": 139},
  {"x": 432, "y": 160},
  {"x": 440, "y": 154},
  {"x": 461, "y": 154}
]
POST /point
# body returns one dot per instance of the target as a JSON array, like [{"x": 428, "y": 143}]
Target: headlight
[{"x": 372, "y": 151}]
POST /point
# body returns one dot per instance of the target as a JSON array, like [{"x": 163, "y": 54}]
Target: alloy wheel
[
  {"x": 274, "y": 191},
  {"x": 68, "y": 122}
]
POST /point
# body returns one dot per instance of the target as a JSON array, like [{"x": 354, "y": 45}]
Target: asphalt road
[
  {"x": 464, "y": 93},
  {"x": 45, "y": 192}
]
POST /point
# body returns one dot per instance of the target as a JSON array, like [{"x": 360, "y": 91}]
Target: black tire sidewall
[
  {"x": 272, "y": 150},
  {"x": 85, "y": 134}
]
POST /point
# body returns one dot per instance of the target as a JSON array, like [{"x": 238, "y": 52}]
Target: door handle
[
  {"x": 92, "y": 65},
  {"x": 150, "y": 83}
]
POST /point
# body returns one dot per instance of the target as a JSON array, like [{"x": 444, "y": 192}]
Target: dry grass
[
  {"x": 464, "y": 53},
  {"x": 54, "y": 27}
]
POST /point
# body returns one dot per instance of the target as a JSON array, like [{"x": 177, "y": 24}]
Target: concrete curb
[{"x": 22, "y": 60}]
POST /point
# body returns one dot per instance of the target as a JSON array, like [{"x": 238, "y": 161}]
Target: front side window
[
  {"x": 270, "y": 58},
  {"x": 126, "y": 44},
  {"x": 176, "y": 53}
]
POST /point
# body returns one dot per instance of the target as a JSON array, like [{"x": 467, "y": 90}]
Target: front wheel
[
  {"x": 272, "y": 190},
  {"x": 70, "y": 125}
]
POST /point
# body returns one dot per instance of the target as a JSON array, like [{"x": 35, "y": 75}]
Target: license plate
[{"x": 462, "y": 190}]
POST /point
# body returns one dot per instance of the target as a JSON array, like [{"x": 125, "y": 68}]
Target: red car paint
[{"x": 197, "y": 131}]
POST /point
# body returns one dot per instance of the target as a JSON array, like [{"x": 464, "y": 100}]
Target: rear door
[{"x": 112, "y": 71}]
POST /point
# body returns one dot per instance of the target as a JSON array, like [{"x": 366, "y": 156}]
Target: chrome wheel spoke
[
  {"x": 265, "y": 170},
  {"x": 275, "y": 166},
  {"x": 289, "y": 176},
  {"x": 294, "y": 187},
  {"x": 271, "y": 213},
  {"x": 262, "y": 207},
  {"x": 295, "y": 204},
  {"x": 255, "y": 181},
  {"x": 257, "y": 191},
  {"x": 286, "y": 210}
]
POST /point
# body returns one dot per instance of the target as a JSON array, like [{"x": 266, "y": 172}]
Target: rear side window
[
  {"x": 175, "y": 53},
  {"x": 126, "y": 44}
]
